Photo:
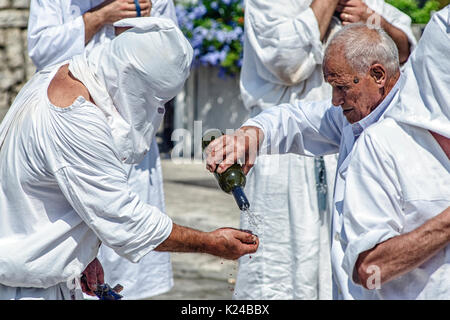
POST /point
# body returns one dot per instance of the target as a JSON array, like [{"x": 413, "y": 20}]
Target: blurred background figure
[
  {"x": 58, "y": 30},
  {"x": 290, "y": 194}
]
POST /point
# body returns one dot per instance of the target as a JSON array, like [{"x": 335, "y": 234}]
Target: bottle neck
[{"x": 241, "y": 199}]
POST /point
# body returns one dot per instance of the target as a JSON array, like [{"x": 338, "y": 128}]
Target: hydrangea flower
[{"x": 215, "y": 29}]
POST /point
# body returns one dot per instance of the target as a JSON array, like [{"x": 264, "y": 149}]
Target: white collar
[{"x": 376, "y": 114}]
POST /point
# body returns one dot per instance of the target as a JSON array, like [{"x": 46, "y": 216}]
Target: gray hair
[{"x": 363, "y": 46}]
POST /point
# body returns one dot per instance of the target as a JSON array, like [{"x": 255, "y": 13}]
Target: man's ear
[{"x": 378, "y": 74}]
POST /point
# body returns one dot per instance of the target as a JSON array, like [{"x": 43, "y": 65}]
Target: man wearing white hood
[
  {"x": 61, "y": 29},
  {"x": 63, "y": 186},
  {"x": 397, "y": 197}
]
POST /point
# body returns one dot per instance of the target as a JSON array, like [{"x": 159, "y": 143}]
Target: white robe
[
  {"x": 57, "y": 37},
  {"x": 313, "y": 129},
  {"x": 283, "y": 64},
  {"x": 399, "y": 178},
  {"x": 58, "y": 201},
  {"x": 401, "y": 172}
]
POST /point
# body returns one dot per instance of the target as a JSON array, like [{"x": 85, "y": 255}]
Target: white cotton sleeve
[
  {"x": 51, "y": 39},
  {"x": 306, "y": 128},
  {"x": 95, "y": 183},
  {"x": 372, "y": 211},
  {"x": 286, "y": 44}
]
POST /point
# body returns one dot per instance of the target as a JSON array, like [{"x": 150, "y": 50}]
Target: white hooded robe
[
  {"x": 55, "y": 34},
  {"x": 63, "y": 186}
]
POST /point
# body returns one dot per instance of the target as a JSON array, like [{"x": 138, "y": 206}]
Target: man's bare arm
[
  {"x": 400, "y": 39},
  {"x": 401, "y": 254},
  {"x": 226, "y": 243},
  {"x": 109, "y": 12},
  {"x": 357, "y": 11},
  {"x": 323, "y": 10}
]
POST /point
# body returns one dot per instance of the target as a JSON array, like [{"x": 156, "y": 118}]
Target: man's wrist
[
  {"x": 95, "y": 18},
  {"x": 208, "y": 243}
]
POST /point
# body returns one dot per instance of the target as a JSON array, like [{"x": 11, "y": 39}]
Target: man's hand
[
  {"x": 115, "y": 10},
  {"x": 229, "y": 243},
  {"x": 92, "y": 275},
  {"x": 109, "y": 12},
  {"x": 241, "y": 146},
  {"x": 353, "y": 11}
]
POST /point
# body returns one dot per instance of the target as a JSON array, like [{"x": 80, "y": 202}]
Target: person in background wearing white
[
  {"x": 397, "y": 194},
  {"x": 64, "y": 188},
  {"x": 58, "y": 30},
  {"x": 291, "y": 195}
]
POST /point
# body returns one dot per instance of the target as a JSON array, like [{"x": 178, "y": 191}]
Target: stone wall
[{"x": 16, "y": 68}]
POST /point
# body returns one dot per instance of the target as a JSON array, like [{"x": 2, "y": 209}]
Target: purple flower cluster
[{"x": 215, "y": 29}]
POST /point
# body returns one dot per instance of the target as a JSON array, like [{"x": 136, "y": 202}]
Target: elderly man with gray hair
[
  {"x": 362, "y": 66},
  {"x": 399, "y": 236}
]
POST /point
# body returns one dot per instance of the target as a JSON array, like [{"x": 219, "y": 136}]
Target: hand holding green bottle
[
  {"x": 231, "y": 179},
  {"x": 241, "y": 146}
]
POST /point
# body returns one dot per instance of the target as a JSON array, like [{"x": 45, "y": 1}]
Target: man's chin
[{"x": 349, "y": 115}]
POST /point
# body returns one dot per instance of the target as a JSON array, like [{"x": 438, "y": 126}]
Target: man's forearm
[
  {"x": 323, "y": 10},
  {"x": 111, "y": 11},
  {"x": 400, "y": 39},
  {"x": 184, "y": 239},
  {"x": 401, "y": 254},
  {"x": 228, "y": 243},
  {"x": 93, "y": 22}
]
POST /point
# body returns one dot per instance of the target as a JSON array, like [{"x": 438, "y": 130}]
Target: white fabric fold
[{"x": 424, "y": 100}]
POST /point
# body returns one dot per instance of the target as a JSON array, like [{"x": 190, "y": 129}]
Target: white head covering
[
  {"x": 133, "y": 76},
  {"x": 424, "y": 99}
]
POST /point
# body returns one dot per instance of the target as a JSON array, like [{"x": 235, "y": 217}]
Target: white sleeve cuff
[
  {"x": 363, "y": 243},
  {"x": 265, "y": 144},
  {"x": 158, "y": 235}
]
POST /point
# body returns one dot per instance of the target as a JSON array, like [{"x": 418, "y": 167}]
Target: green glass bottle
[{"x": 233, "y": 179}]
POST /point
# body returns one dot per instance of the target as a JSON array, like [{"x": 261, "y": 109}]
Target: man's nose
[{"x": 337, "y": 98}]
